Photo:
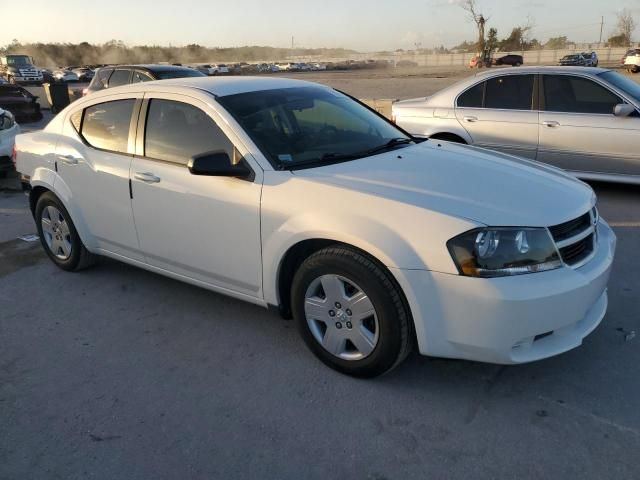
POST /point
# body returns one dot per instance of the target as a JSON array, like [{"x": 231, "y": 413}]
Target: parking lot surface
[{"x": 116, "y": 372}]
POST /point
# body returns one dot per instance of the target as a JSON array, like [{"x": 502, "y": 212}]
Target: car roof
[
  {"x": 152, "y": 67},
  {"x": 217, "y": 86},
  {"x": 539, "y": 69}
]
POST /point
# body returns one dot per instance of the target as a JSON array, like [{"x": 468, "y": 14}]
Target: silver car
[{"x": 584, "y": 120}]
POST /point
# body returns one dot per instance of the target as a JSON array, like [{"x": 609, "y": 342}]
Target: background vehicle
[
  {"x": 316, "y": 205},
  {"x": 511, "y": 59},
  {"x": 591, "y": 59},
  {"x": 632, "y": 61},
  {"x": 63, "y": 74},
  {"x": 19, "y": 69},
  {"x": 116, "y": 76},
  {"x": 20, "y": 102},
  {"x": 574, "y": 60},
  {"x": 85, "y": 74},
  {"x": 8, "y": 131},
  {"x": 586, "y": 120}
]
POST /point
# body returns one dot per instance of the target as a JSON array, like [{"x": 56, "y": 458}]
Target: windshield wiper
[
  {"x": 394, "y": 142},
  {"x": 326, "y": 159}
]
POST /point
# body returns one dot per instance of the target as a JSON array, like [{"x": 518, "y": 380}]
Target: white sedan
[{"x": 291, "y": 195}]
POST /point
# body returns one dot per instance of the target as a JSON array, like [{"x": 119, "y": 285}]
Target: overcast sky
[{"x": 365, "y": 25}]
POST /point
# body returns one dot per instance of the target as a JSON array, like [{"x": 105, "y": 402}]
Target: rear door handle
[
  {"x": 551, "y": 124},
  {"x": 69, "y": 159},
  {"x": 470, "y": 119},
  {"x": 147, "y": 177}
]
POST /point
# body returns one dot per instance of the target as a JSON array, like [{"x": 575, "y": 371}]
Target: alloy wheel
[
  {"x": 56, "y": 232},
  {"x": 341, "y": 317}
]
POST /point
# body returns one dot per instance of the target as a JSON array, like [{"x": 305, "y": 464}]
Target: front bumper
[
  {"x": 510, "y": 320},
  {"x": 34, "y": 79},
  {"x": 7, "y": 140}
]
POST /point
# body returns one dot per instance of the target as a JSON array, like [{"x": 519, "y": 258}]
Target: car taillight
[{"x": 14, "y": 155}]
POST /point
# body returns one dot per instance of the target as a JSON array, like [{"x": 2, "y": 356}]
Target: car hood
[{"x": 467, "y": 182}]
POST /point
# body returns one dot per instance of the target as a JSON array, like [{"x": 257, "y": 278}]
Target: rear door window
[
  {"x": 176, "y": 132},
  {"x": 106, "y": 125},
  {"x": 472, "y": 98},
  {"x": 101, "y": 79},
  {"x": 565, "y": 93},
  {"x": 140, "y": 77},
  {"x": 510, "y": 92},
  {"x": 119, "y": 77}
]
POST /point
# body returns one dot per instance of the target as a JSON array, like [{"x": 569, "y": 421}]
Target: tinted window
[
  {"x": 628, "y": 86},
  {"x": 512, "y": 92},
  {"x": 140, "y": 77},
  {"x": 176, "y": 131},
  {"x": 106, "y": 125},
  {"x": 311, "y": 125},
  {"x": 101, "y": 79},
  {"x": 563, "y": 93},
  {"x": 178, "y": 73},
  {"x": 473, "y": 97},
  {"x": 119, "y": 77}
]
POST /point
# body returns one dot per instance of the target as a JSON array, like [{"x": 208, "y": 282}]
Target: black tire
[
  {"x": 395, "y": 339},
  {"x": 79, "y": 258},
  {"x": 517, "y": 64},
  {"x": 635, "y": 69}
]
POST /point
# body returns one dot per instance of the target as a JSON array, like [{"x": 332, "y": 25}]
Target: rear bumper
[
  {"x": 510, "y": 320},
  {"x": 34, "y": 79}
]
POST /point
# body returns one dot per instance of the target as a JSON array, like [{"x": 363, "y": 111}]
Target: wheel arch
[
  {"x": 300, "y": 251},
  {"x": 449, "y": 137}
]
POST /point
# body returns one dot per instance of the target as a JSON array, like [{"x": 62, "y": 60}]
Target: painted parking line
[{"x": 624, "y": 224}]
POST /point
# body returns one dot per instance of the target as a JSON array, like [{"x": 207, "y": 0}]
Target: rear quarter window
[
  {"x": 105, "y": 126},
  {"x": 472, "y": 98}
]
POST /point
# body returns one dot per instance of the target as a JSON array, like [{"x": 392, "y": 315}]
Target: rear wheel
[
  {"x": 59, "y": 236},
  {"x": 517, "y": 64},
  {"x": 635, "y": 69},
  {"x": 350, "y": 313}
]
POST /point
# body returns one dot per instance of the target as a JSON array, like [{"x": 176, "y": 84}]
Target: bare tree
[
  {"x": 472, "y": 9},
  {"x": 626, "y": 25}
]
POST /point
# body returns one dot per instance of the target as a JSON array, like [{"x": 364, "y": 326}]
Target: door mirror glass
[
  {"x": 218, "y": 164},
  {"x": 623, "y": 110}
]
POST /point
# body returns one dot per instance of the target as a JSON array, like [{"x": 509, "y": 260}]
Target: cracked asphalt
[{"x": 118, "y": 373}]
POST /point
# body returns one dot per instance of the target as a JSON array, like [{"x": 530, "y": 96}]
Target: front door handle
[
  {"x": 69, "y": 159},
  {"x": 551, "y": 124},
  {"x": 147, "y": 177},
  {"x": 470, "y": 119}
]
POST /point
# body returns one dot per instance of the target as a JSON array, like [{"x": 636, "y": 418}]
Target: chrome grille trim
[{"x": 580, "y": 233}]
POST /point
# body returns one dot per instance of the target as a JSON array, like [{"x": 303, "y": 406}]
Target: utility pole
[
  {"x": 292, "y": 38},
  {"x": 601, "y": 27}
]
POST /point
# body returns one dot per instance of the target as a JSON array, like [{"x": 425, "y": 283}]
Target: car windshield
[
  {"x": 167, "y": 74},
  {"x": 572, "y": 57},
  {"x": 18, "y": 60},
  {"x": 311, "y": 126},
  {"x": 622, "y": 83}
]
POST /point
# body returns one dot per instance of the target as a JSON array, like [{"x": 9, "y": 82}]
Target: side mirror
[
  {"x": 218, "y": 164},
  {"x": 623, "y": 110}
]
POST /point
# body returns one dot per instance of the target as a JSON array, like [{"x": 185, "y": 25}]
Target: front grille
[
  {"x": 577, "y": 252},
  {"x": 571, "y": 228},
  {"x": 576, "y": 239}
]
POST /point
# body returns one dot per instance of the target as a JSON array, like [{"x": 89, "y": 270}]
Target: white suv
[{"x": 292, "y": 195}]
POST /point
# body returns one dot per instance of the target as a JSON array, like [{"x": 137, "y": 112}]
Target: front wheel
[
  {"x": 635, "y": 69},
  {"x": 350, "y": 313},
  {"x": 59, "y": 236}
]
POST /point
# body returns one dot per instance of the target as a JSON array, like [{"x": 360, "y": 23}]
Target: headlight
[{"x": 501, "y": 252}]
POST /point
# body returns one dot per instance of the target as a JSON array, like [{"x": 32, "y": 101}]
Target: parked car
[
  {"x": 63, "y": 74},
  {"x": 574, "y": 60},
  {"x": 584, "y": 120},
  {"x": 314, "y": 204},
  {"x": 20, "y": 102},
  {"x": 8, "y": 131},
  {"x": 19, "y": 69},
  {"x": 47, "y": 75},
  {"x": 85, "y": 74},
  {"x": 317, "y": 67},
  {"x": 627, "y": 53},
  {"x": 115, "y": 76},
  {"x": 591, "y": 59},
  {"x": 511, "y": 59},
  {"x": 632, "y": 61},
  {"x": 268, "y": 68}
]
